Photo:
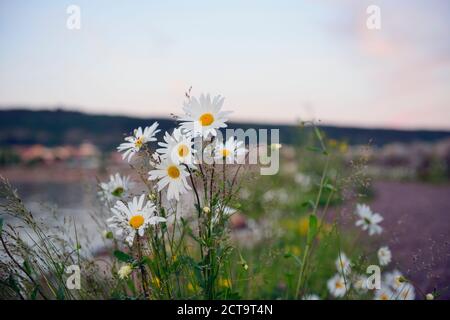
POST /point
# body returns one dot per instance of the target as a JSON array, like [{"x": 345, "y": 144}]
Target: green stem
[{"x": 300, "y": 281}]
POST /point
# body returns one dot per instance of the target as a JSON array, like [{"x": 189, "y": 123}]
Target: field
[{"x": 335, "y": 222}]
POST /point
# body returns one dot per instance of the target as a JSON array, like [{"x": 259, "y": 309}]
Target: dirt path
[{"x": 417, "y": 229}]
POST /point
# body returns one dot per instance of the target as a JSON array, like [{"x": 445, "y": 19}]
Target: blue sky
[{"x": 274, "y": 61}]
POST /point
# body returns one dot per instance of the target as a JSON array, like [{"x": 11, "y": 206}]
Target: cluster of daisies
[
  {"x": 174, "y": 160},
  {"x": 394, "y": 286}
]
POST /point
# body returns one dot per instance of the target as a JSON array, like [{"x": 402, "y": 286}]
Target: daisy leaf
[{"x": 123, "y": 257}]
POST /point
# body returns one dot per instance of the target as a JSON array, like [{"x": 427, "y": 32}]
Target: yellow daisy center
[
  {"x": 139, "y": 142},
  {"x": 384, "y": 296},
  {"x": 225, "y": 153},
  {"x": 173, "y": 172},
  {"x": 339, "y": 285},
  {"x": 183, "y": 150},
  {"x": 206, "y": 119},
  {"x": 136, "y": 221}
]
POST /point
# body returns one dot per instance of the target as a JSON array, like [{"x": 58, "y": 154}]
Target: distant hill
[{"x": 57, "y": 127}]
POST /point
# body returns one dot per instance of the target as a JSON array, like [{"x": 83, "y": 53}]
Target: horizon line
[{"x": 319, "y": 122}]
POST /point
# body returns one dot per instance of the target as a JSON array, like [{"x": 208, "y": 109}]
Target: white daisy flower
[
  {"x": 115, "y": 188},
  {"x": 172, "y": 175},
  {"x": 337, "y": 286},
  {"x": 311, "y": 297},
  {"x": 177, "y": 147},
  {"x": 230, "y": 151},
  {"x": 384, "y": 256},
  {"x": 406, "y": 292},
  {"x": 343, "y": 264},
  {"x": 133, "y": 218},
  {"x": 368, "y": 220},
  {"x": 203, "y": 116},
  {"x": 360, "y": 283},
  {"x": 384, "y": 294},
  {"x": 125, "y": 271},
  {"x": 227, "y": 212},
  {"x": 394, "y": 279},
  {"x": 135, "y": 142}
]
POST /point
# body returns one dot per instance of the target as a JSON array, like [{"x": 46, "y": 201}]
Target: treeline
[{"x": 59, "y": 127}]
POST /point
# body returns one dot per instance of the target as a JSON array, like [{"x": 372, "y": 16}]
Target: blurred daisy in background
[
  {"x": 406, "y": 292},
  {"x": 116, "y": 188},
  {"x": 343, "y": 264},
  {"x": 360, "y": 283},
  {"x": 177, "y": 147},
  {"x": 227, "y": 212},
  {"x": 368, "y": 220},
  {"x": 135, "y": 142},
  {"x": 311, "y": 297},
  {"x": 394, "y": 279},
  {"x": 384, "y": 256},
  {"x": 173, "y": 175},
  {"x": 203, "y": 116},
  {"x": 125, "y": 271},
  {"x": 337, "y": 286},
  {"x": 384, "y": 294},
  {"x": 231, "y": 151},
  {"x": 133, "y": 218}
]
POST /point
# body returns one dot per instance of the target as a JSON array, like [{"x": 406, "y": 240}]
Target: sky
[{"x": 274, "y": 61}]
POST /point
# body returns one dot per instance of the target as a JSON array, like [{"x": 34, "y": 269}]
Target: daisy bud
[
  {"x": 429, "y": 296},
  {"x": 125, "y": 271},
  {"x": 108, "y": 234},
  {"x": 206, "y": 210},
  {"x": 152, "y": 197}
]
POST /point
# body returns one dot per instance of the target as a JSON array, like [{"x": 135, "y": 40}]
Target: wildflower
[
  {"x": 173, "y": 176},
  {"x": 177, "y": 147},
  {"x": 406, "y": 292},
  {"x": 343, "y": 264},
  {"x": 279, "y": 195},
  {"x": 115, "y": 188},
  {"x": 225, "y": 283},
  {"x": 156, "y": 282},
  {"x": 303, "y": 226},
  {"x": 295, "y": 250},
  {"x": 191, "y": 287},
  {"x": 337, "y": 286},
  {"x": 206, "y": 210},
  {"x": 368, "y": 220},
  {"x": 303, "y": 180},
  {"x": 360, "y": 283},
  {"x": 384, "y": 294},
  {"x": 311, "y": 297},
  {"x": 384, "y": 256},
  {"x": 394, "y": 279},
  {"x": 135, "y": 142},
  {"x": 229, "y": 151},
  {"x": 133, "y": 218},
  {"x": 429, "y": 296},
  {"x": 203, "y": 116},
  {"x": 227, "y": 212},
  {"x": 125, "y": 271}
]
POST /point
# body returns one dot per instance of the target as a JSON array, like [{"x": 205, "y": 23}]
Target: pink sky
[{"x": 274, "y": 61}]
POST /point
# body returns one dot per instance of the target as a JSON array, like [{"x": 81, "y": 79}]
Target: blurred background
[{"x": 67, "y": 96}]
